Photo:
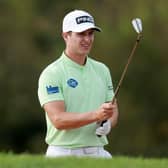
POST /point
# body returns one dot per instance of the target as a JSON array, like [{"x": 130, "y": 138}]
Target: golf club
[{"x": 137, "y": 25}]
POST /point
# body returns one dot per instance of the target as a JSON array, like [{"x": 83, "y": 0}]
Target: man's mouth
[{"x": 85, "y": 46}]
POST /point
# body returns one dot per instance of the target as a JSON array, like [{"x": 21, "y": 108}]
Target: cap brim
[
  {"x": 84, "y": 28},
  {"x": 97, "y": 29}
]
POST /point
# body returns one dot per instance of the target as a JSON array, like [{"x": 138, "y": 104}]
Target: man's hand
[
  {"x": 104, "y": 112},
  {"x": 104, "y": 129}
]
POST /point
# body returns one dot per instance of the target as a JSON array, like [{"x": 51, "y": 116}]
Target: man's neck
[{"x": 79, "y": 59}]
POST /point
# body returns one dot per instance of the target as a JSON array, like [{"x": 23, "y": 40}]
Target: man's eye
[
  {"x": 81, "y": 34},
  {"x": 91, "y": 33}
]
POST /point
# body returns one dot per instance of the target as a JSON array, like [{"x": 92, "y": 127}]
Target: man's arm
[{"x": 69, "y": 120}]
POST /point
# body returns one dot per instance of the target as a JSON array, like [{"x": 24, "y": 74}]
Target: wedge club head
[{"x": 137, "y": 25}]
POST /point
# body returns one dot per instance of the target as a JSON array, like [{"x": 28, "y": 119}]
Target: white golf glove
[{"x": 104, "y": 129}]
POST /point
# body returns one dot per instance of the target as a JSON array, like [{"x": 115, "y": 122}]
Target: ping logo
[
  {"x": 72, "y": 83},
  {"x": 110, "y": 87},
  {"x": 84, "y": 19},
  {"x": 52, "y": 89}
]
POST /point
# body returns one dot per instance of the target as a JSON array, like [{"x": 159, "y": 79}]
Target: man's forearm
[{"x": 66, "y": 120}]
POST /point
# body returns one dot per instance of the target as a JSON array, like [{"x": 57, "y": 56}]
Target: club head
[{"x": 137, "y": 24}]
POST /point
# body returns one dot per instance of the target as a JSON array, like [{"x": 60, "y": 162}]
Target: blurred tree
[{"x": 30, "y": 34}]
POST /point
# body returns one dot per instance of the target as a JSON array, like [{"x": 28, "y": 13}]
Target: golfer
[{"x": 75, "y": 92}]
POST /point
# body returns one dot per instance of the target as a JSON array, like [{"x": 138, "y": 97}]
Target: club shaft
[
  {"x": 124, "y": 72},
  {"x": 126, "y": 67}
]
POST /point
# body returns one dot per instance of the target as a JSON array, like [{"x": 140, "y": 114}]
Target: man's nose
[{"x": 87, "y": 38}]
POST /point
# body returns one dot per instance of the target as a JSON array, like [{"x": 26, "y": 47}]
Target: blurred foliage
[{"x": 30, "y": 38}]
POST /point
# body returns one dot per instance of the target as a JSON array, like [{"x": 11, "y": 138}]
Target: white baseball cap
[{"x": 78, "y": 21}]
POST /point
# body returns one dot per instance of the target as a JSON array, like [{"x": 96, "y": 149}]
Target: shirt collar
[{"x": 70, "y": 62}]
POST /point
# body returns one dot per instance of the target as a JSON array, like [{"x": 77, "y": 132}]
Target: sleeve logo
[
  {"x": 72, "y": 83},
  {"x": 52, "y": 89}
]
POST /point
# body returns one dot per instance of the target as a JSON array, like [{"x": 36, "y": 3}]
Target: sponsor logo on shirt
[
  {"x": 52, "y": 89},
  {"x": 72, "y": 83},
  {"x": 110, "y": 87}
]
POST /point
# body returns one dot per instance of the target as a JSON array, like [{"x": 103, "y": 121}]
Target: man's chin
[{"x": 86, "y": 52}]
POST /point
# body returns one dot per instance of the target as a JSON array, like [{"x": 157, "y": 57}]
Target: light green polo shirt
[{"x": 83, "y": 89}]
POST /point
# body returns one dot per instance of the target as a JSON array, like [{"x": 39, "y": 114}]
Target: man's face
[{"x": 80, "y": 43}]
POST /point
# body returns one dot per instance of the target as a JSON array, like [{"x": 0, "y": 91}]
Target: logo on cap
[{"x": 84, "y": 19}]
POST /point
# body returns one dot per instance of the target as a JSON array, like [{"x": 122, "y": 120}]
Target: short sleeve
[{"x": 49, "y": 87}]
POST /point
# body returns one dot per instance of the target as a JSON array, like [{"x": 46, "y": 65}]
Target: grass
[{"x": 38, "y": 161}]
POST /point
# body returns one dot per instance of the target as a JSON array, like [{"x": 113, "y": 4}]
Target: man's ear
[{"x": 65, "y": 35}]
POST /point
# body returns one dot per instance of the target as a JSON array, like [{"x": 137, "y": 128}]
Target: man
[{"x": 75, "y": 92}]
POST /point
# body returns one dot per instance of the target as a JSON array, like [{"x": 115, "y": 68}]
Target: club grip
[
  {"x": 102, "y": 125},
  {"x": 103, "y": 122},
  {"x": 106, "y": 120}
]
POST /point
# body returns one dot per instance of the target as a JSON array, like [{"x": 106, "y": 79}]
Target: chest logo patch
[{"x": 72, "y": 83}]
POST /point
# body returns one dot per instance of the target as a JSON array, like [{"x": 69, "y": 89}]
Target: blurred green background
[{"x": 30, "y": 39}]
